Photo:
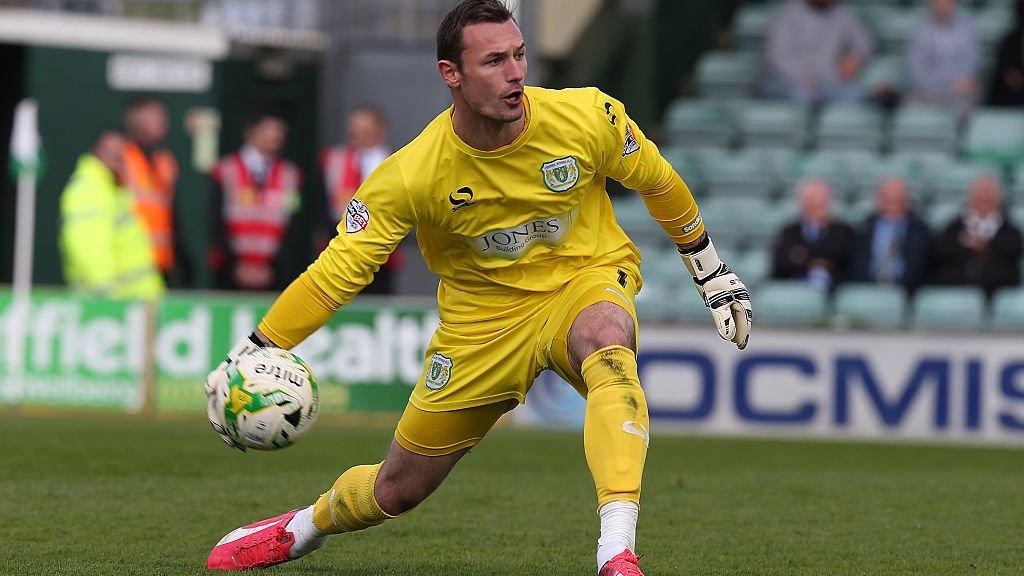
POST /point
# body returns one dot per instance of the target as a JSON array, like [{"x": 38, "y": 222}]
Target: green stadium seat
[
  {"x": 870, "y": 306},
  {"x": 996, "y": 136},
  {"x": 772, "y": 123},
  {"x": 1016, "y": 189},
  {"x": 885, "y": 71},
  {"x": 992, "y": 23},
  {"x": 1008, "y": 309},
  {"x": 726, "y": 74},
  {"x": 1016, "y": 215},
  {"x": 636, "y": 221},
  {"x": 924, "y": 128},
  {"x": 940, "y": 216},
  {"x": 850, "y": 127},
  {"x": 921, "y": 165},
  {"x": 956, "y": 308},
  {"x": 753, "y": 267},
  {"x": 893, "y": 25},
  {"x": 951, "y": 183},
  {"x": 691, "y": 121},
  {"x": 843, "y": 169},
  {"x": 790, "y": 303},
  {"x": 751, "y": 26},
  {"x": 735, "y": 222},
  {"x": 738, "y": 175}
]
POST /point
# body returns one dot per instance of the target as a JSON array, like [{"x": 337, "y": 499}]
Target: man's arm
[
  {"x": 628, "y": 157},
  {"x": 88, "y": 223},
  {"x": 380, "y": 215}
]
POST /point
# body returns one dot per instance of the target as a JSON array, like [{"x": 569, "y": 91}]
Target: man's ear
[{"x": 450, "y": 73}]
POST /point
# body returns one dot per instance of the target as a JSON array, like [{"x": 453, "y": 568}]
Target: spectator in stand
[
  {"x": 942, "y": 59},
  {"x": 344, "y": 169},
  {"x": 1008, "y": 77},
  {"x": 815, "y": 247},
  {"x": 981, "y": 247},
  {"x": 104, "y": 245},
  {"x": 816, "y": 50},
  {"x": 151, "y": 173},
  {"x": 256, "y": 193},
  {"x": 891, "y": 247}
]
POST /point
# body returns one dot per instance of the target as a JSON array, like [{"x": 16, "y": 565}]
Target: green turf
[{"x": 141, "y": 497}]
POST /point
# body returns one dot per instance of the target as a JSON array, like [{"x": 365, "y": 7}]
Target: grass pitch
[{"x": 131, "y": 496}]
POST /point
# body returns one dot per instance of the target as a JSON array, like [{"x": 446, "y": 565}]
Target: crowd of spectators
[
  {"x": 979, "y": 247},
  {"x": 817, "y": 50},
  {"x": 120, "y": 226}
]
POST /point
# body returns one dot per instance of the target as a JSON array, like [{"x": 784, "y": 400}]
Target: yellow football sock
[
  {"x": 350, "y": 504},
  {"x": 615, "y": 430}
]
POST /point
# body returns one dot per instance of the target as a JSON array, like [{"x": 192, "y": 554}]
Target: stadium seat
[
  {"x": 870, "y": 306},
  {"x": 751, "y": 25},
  {"x": 996, "y": 136},
  {"x": 1016, "y": 189},
  {"x": 949, "y": 308},
  {"x": 893, "y": 26},
  {"x": 843, "y": 169},
  {"x": 924, "y": 128},
  {"x": 790, "y": 303},
  {"x": 940, "y": 216},
  {"x": 636, "y": 221},
  {"x": 691, "y": 121},
  {"x": 884, "y": 71},
  {"x": 738, "y": 175},
  {"x": 1016, "y": 215},
  {"x": 726, "y": 74},
  {"x": 754, "y": 266},
  {"x": 735, "y": 222},
  {"x": 1008, "y": 309},
  {"x": 850, "y": 127},
  {"x": 921, "y": 165},
  {"x": 951, "y": 182},
  {"x": 771, "y": 123}
]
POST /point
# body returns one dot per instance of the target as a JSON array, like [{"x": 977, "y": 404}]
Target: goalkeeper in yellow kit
[{"x": 507, "y": 192}]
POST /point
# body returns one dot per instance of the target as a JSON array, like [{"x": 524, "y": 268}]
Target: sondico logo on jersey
[
  {"x": 511, "y": 243},
  {"x": 560, "y": 175}
]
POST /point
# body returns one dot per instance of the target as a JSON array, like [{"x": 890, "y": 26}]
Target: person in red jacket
[{"x": 255, "y": 196}]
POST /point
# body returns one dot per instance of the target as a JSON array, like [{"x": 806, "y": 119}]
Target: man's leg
[
  {"x": 602, "y": 349},
  {"x": 426, "y": 447}
]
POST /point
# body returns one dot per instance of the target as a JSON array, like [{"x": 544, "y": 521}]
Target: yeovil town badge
[
  {"x": 560, "y": 175},
  {"x": 440, "y": 371}
]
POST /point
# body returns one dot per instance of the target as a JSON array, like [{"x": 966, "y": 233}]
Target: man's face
[
  {"x": 148, "y": 124},
  {"x": 267, "y": 136},
  {"x": 110, "y": 151},
  {"x": 893, "y": 200},
  {"x": 943, "y": 9},
  {"x": 984, "y": 199},
  {"x": 815, "y": 202},
  {"x": 363, "y": 130},
  {"x": 490, "y": 79}
]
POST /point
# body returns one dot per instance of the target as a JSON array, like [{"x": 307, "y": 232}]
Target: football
[{"x": 272, "y": 399}]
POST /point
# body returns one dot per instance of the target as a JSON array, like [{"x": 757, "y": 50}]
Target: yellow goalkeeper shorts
[{"x": 488, "y": 350}]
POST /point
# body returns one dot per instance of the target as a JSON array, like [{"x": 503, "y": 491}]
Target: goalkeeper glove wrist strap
[{"x": 702, "y": 261}]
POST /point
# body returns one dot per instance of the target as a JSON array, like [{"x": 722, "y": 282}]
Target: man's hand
[
  {"x": 217, "y": 386},
  {"x": 722, "y": 291}
]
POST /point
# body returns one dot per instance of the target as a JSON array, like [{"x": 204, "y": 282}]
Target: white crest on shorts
[
  {"x": 439, "y": 372},
  {"x": 357, "y": 217}
]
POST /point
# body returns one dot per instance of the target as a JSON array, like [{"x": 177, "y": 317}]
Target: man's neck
[{"x": 483, "y": 133}]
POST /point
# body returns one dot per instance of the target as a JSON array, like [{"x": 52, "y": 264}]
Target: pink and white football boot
[
  {"x": 623, "y": 564},
  {"x": 258, "y": 545}
]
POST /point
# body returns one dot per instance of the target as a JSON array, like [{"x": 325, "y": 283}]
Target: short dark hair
[
  {"x": 142, "y": 100},
  {"x": 449, "y": 33}
]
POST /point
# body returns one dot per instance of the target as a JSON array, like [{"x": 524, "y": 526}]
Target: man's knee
[{"x": 599, "y": 326}]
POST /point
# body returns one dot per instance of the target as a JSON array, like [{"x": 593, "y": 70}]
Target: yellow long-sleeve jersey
[{"x": 526, "y": 217}]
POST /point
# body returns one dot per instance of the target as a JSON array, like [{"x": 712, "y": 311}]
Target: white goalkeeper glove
[
  {"x": 722, "y": 291},
  {"x": 217, "y": 387}
]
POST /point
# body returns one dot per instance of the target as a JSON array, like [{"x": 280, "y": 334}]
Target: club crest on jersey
[
  {"x": 357, "y": 217},
  {"x": 439, "y": 372},
  {"x": 561, "y": 174}
]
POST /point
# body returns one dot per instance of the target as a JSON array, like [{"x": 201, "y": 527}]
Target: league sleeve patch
[
  {"x": 357, "y": 217},
  {"x": 631, "y": 145}
]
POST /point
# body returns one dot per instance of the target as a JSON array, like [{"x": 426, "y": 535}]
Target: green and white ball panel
[{"x": 272, "y": 399}]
